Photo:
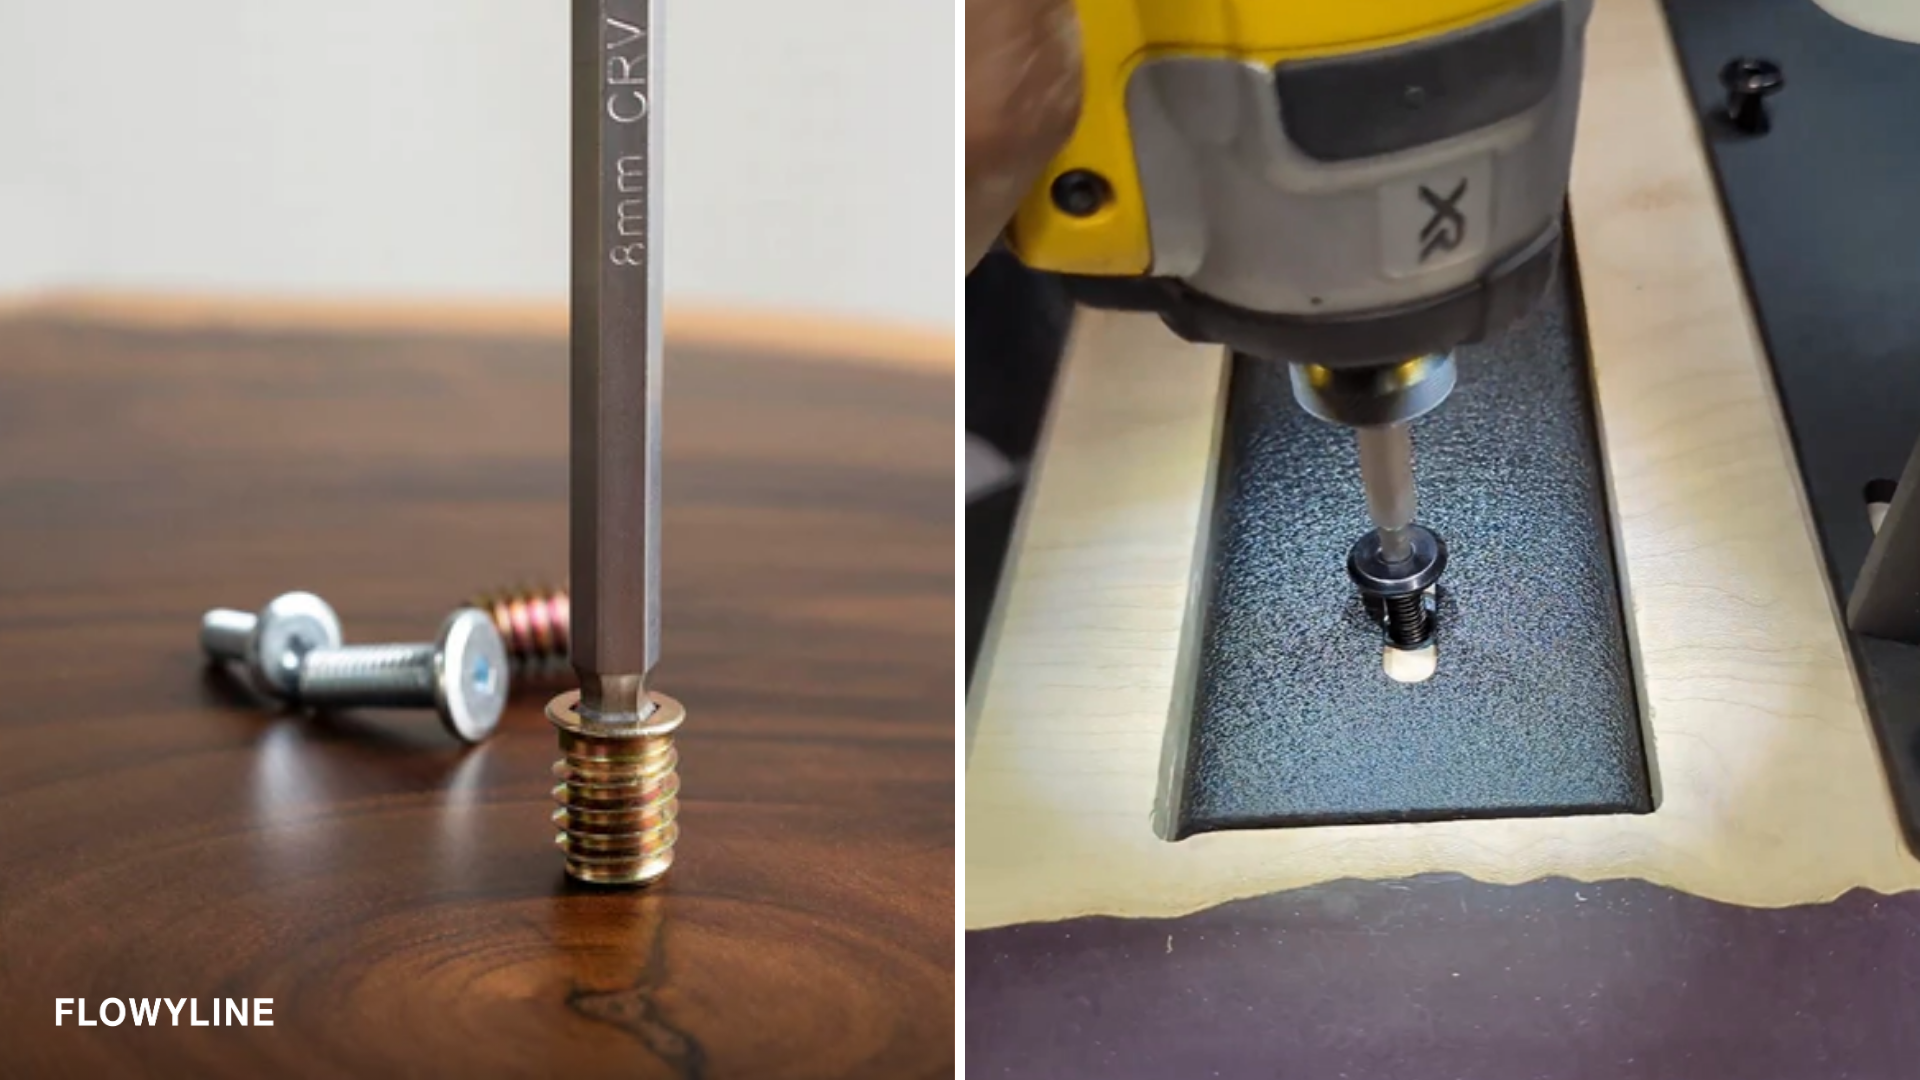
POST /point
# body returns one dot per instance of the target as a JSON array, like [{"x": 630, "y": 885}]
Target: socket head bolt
[
  {"x": 470, "y": 675},
  {"x": 294, "y": 653},
  {"x": 462, "y": 676},
  {"x": 271, "y": 644},
  {"x": 1399, "y": 588},
  {"x": 1749, "y": 81}
]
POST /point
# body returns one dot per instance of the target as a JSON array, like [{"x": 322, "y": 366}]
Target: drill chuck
[{"x": 1365, "y": 397}]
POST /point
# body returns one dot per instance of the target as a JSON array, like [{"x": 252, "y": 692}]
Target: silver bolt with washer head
[
  {"x": 463, "y": 675},
  {"x": 271, "y": 643}
]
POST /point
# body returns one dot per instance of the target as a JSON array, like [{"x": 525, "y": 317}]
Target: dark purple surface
[{"x": 1442, "y": 977}]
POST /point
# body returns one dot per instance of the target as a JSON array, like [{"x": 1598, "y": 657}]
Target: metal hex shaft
[
  {"x": 1386, "y": 472},
  {"x": 616, "y": 348}
]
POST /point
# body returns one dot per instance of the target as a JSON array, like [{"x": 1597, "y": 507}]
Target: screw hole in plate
[
  {"x": 1879, "y": 496},
  {"x": 1411, "y": 665}
]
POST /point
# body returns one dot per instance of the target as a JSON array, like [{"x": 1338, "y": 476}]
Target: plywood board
[{"x": 1769, "y": 788}]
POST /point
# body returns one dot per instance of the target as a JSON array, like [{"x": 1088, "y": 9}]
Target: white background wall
[{"x": 418, "y": 148}]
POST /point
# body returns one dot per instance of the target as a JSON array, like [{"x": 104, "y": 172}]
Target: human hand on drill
[{"x": 1023, "y": 99}]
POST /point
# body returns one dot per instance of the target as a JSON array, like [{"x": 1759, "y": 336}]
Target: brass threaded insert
[
  {"x": 535, "y": 622},
  {"x": 618, "y": 792}
]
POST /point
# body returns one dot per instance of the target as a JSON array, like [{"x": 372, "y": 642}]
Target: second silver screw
[
  {"x": 463, "y": 675},
  {"x": 292, "y": 650}
]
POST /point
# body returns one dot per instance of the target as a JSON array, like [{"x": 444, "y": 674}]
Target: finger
[{"x": 1023, "y": 99}]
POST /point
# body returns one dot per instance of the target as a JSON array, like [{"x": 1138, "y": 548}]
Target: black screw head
[
  {"x": 1374, "y": 576},
  {"x": 1394, "y": 592},
  {"x": 1749, "y": 81},
  {"x": 1081, "y": 192}
]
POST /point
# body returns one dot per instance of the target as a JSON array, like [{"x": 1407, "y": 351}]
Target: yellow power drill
[{"x": 1353, "y": 187}]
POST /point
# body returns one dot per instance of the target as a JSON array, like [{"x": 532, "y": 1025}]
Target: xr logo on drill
[{"x": 1448, "y": 226}]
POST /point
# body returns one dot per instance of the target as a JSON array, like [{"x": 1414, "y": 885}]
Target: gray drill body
[
  {"x": 1353, "y": 184},
  {"x": 1359, "y": 216},
  {"x": 1357, "y": 189}
]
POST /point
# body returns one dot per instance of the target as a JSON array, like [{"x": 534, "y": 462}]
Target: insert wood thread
[
  {"x": 534, "y": 621},
  {"x": 618, "y": 792}
]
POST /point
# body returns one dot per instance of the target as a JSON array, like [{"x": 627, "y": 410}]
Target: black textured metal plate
[
  {"x": 1825, "y": 216},
  {"x": 1533, "y": 709}
]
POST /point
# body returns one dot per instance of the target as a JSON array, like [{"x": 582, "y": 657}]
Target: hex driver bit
[
  {"x": 618, "y": 784},
  {"x": 615, "y": 496}
]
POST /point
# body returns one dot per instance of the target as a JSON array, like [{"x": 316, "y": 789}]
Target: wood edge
[
  {"x": 1173, "y": 396},
  {"x": 802, "y": 334},
  {"x": 1170, "y": 790},
  {"x": 1616, "y": 530},
  {"x": 974, "y": 693}
]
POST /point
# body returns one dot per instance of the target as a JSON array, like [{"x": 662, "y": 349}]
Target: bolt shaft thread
[
  {"x": 1408, "y": 624},
  {"x": 224, "y": 633},
  {"x": 535, "y": 623},
  {"x": 393, "y": 675},
  {"x": 618, "y": 793}
]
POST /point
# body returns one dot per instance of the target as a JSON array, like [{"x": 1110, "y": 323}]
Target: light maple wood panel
[{"x": 1770, "y": 790}]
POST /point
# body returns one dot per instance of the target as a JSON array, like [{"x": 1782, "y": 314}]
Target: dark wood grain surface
[{"x": 398, "y": 898}]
